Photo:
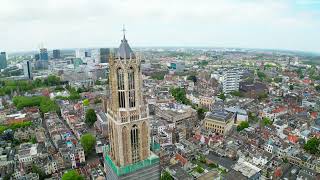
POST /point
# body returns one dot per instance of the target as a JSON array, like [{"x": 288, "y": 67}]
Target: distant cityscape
[
  {"x": 159, "y": 113},
  {"x": 132, "y": 112}
]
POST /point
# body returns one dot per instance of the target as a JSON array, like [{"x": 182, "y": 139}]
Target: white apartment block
[{"x": 231, "y": 79}]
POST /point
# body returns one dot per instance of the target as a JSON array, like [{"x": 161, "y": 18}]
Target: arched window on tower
[
  {"x": 131, "y": 80},
  {"x": 121, "y": 92},
  {"x": 144, "y": 141},
  {"x": 125, "y": 134},
  {"x": 135, "y": 143}
]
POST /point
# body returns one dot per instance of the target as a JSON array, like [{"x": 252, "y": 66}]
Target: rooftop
[
  {"x": 236, "y": 110},
  {"x": 179, "y": 173},
  {"x": 235, "y": 175},
  {"x": 246, "y": 168},
  {"x": 124, "y": 51},
  {"x": 220, "y": 115}
]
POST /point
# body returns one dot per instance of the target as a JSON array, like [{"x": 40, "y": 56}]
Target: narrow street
[{"x": 47, "y": 134}]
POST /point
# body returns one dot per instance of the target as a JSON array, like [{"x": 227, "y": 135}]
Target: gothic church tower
[{"x": 127, "y": 114}]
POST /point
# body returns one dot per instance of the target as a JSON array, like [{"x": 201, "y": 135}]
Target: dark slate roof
[
  {"x": 219, "y": 115},
  {"x": 222, "y": 161},
  {"x": 235, "y": 175},
  {"x": 124, "y": 51}
]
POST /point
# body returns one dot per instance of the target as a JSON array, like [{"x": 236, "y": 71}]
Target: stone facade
[{"x": 127, "y": 114}]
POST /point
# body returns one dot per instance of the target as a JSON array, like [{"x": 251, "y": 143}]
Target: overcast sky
[{"x": 275, "y": 24}]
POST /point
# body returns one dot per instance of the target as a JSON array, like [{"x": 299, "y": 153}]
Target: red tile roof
[
  {"x": 279, "y": 109},
  {"x": 307, "y": 81},
  {"x": 278, "y": 172},
  {"x": 293, "y": 138},
  {"x": 314, "y": 115},
  {"x": 181, "y": 159}
]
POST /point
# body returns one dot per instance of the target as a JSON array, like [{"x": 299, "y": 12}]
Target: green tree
[
  {"x": 158, "y": 75},
  {"x": 179, "y": 95},
  {"x": 262, "y": 96},
  {"x": 202, "y": 159},
  {"x": 285, "y": 160},
  {"x": 44, "y": 103},
  {"x": 86, "y": 102},
  {"x": 242, "y": 125},
  {"x": 222, "y": 96},
  {"x": 312, "y": 146},
  {"x": 278, "y": 79},
  {"x": 97, "y": 100},
  {"x": 21, "y": 86},
  {"x": 165, "y": 175},
  {"x": 88, "y": 142},
  {"x": 52, "y": 80},
  {"x": 15, "y": 126},
  {"x": 252, "y": 117},
  {"x": 74, "y": 94},
  {"x": 201, "y": 113},
  {"x": 223, "y": 171},
  {"x": 37, "y": 170},
  {"x": 192, "y": 78},
  {"x": 213, "y": 165},
  {"x": 59, "y": 88},
  {"x": 203, "y": 63},
  {"x": 91, "y": 117},
  {"x": 268, "y": 174},
  {"x": 33, "y": 140},
  {"x": 291, "y": 87},
  {"x": 261, "y": 75},
  {"x": 237, "y": 93},
  {"x": 317, "y": 88},
  {"x": 266, "y": 121},
  {"x": 98, "y": 82},
  {"x": 47, "y": 105},
  {"x": 72, "y": 175},
  {"x": 300, "y": 73},
  {"x": 7, "y": 176},
  {"x": 199, "y": 169}
]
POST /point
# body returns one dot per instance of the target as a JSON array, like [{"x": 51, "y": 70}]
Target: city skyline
[
  {"x": 285, "y": 25},
  {"x": 159, "y": 114}
]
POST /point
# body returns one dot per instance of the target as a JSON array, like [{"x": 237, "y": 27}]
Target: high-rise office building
[
  {"x": 43, "y": 54},
  {"x": 80, "y": 53},
  {"x": 56, "y": 54},
  {"x": 231, "y": 80},
  {"x": 27, "y": 69},
  {"x": 3, "y": 60},
  {"x": 95, "y": 55},
  {"x": 129, "y": 155},
  {"x": 86, "y": 54},
  {"x": 42, "y": 59},
  {"x": 104, "y": 55},
  {"x": 36, "y": 57}
]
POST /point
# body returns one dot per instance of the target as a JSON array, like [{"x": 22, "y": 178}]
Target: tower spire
[{"x": 124, "y": 31}]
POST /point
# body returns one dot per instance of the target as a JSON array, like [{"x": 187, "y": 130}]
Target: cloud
[{"x": 94, "y": 23}]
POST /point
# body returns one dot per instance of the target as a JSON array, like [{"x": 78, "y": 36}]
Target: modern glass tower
[
  {"x": 44, "y": 54},
  {"x": 56, "y": 54},
  {"x": 27, "y": 69},
  {"x": 129, "y": 155},
  {"x": 3, "y": 60},
  {"x": 104, "y": 55}
]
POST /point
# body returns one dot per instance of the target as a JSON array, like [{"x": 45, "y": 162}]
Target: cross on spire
[{"x": 124, "y": 32}]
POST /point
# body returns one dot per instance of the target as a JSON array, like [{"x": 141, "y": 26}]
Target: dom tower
[{"x": 129, "y": 155}]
